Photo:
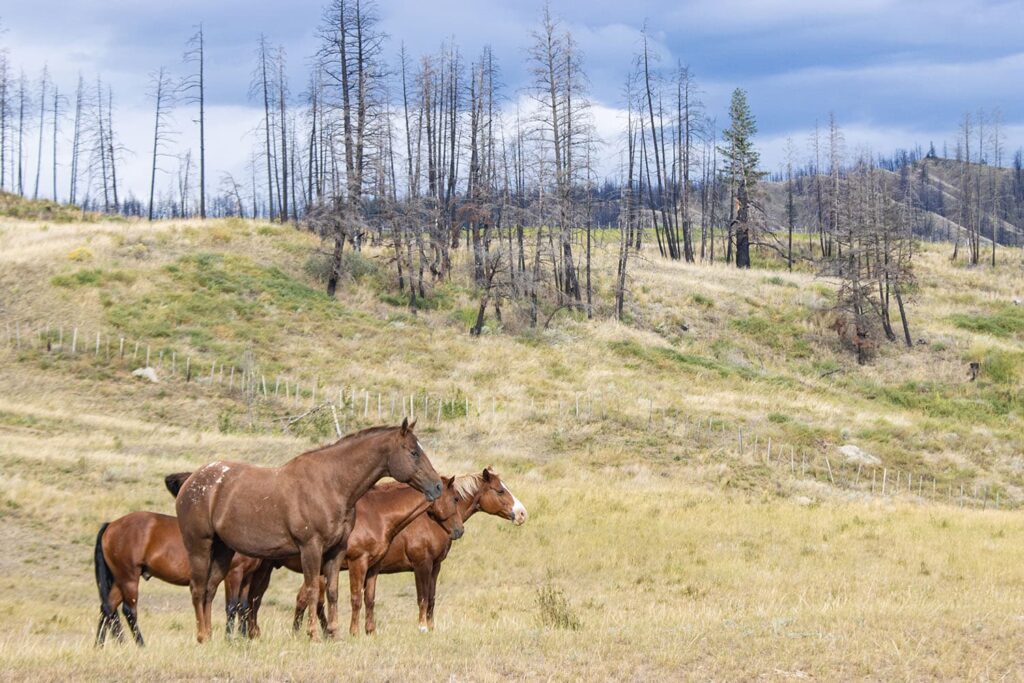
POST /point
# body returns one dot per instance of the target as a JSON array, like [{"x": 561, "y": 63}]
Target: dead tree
[
  {"x": 161, "y": 92},
  {"x": 194, "y": 87}
]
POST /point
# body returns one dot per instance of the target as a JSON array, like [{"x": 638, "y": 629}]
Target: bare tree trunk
[{"x": 42, "y": 127}]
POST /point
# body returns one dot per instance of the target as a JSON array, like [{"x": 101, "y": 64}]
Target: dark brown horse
[
  {"x": 141, "y": 545},
  {"x": 304, "y": 507},
  {"x": 420, "y": 547}
]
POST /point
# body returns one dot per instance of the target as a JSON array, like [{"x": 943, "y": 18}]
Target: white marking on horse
[{"x": 518, "y": 509}]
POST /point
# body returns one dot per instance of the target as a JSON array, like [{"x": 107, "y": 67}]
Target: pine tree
[{"x": 741, "y": 170}]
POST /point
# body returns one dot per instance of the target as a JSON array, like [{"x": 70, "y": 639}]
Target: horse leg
[
  {"x": 422, "y": 571},
  {"x": 356, "y": 576},
  {"x": 131, "y": 601},
  {"x": 312, "y": 557},
  {"x": 232, "y": 603},
  {"x": 432, "y": 587},
  {"x": 301, "y": 603},
  {"x": 109, "y": 620},
  {"x": 258, "y": 584},
  {"x": 199, "y": 559},
  {"x": 220, "y": 562},
  {"x": 116, "y": 597},
  {"x": 243, "y": 606},
  {"x": 321, "y": 613},
  {"x": 369, "y": 595},
  {"x": 331, "y": 570}
]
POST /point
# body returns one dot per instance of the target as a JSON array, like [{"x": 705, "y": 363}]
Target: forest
[{"x": 426, "y": 154}]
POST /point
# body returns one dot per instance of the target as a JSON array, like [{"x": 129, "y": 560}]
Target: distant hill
[{"x": 935, "y": 187}]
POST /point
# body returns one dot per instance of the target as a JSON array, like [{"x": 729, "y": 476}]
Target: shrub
[
  {"x": 80, "y": 254},
  {"x": 555, "y": 610}
]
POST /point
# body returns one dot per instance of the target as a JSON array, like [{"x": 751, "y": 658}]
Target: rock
[
  {"x": 855, "y": 455},
  {"x": 146, "y": 373},
  {"x": 1016, "y": 302}
]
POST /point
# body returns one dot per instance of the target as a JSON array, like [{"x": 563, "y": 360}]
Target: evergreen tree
[{"x": 741, "y": 160}]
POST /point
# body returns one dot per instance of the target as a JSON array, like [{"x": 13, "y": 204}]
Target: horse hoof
[{"x": 424, "y": 629}]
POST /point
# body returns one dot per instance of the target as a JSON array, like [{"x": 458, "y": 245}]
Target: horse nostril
[
  {"x": 456, "y": 534},
  {"x": 434, "y": 492}
]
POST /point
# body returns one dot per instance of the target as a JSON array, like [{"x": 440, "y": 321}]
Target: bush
[
  {"x": 354, "y": 266},
  {"x": 702, "y": 300},
  {"x": 555, "y": 610}
]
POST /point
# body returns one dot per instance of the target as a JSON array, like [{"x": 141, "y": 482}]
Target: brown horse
[
  {"x": 304, "y": 507},
  {"x": 380, "y": 515},
  {"x": 140, "y": 544},
  {"x": 420, "y": 547},
  {"x": 423, "y": 546}
]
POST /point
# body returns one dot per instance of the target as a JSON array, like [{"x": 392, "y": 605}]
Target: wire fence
[{"x": 703, "y": 438}]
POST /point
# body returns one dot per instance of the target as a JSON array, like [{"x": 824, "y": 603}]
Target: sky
[{"x": 896, "y": 73}]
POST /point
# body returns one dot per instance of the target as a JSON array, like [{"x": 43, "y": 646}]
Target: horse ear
[
  {"x": 405, "y": 426},
  {"x": 412, "y": 425},
  {"x": 487, "y": 474}
]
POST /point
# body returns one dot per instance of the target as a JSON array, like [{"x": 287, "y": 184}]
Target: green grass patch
[
  {"x": 667, "y": 358},
  {"x": 93, "y": 277},
  {"x": 210, "y": 298},
  {"x": 1006, "y": 321}
]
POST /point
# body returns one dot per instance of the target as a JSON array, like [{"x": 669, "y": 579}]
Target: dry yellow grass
[{"x": 679, "y": 557}]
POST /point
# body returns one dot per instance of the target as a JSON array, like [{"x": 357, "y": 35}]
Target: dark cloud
[{"x": 899, "y": 65}]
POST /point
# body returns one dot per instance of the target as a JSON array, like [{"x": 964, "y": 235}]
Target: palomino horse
[
  {"x": 422, "y": 546},
  {"x": 381, "y": 514},
  {"x": 304, "y": 507}
]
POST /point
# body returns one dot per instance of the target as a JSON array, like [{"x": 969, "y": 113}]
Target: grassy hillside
[{"x": 678, "y": 550}]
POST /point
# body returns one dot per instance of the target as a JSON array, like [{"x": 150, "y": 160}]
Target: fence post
[{"x": 829, "y": 466}]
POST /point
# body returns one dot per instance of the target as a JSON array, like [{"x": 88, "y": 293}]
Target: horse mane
[
  {"x": 362, "y": 433},
  {"x": 468, "y": 484}
]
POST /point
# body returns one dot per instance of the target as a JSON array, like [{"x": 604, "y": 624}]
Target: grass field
[{"x": 652, "y": 550}]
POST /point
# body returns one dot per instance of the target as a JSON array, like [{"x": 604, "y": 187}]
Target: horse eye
[
  {"x": 501, "y": 492},
  {"x": 414, "y": 454}
]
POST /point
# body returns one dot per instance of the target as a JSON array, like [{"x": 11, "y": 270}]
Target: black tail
[
  {"x": 174, "y": 481},
  {"x": 104, "y": 579}
]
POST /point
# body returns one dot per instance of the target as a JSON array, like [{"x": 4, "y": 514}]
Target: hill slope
[{"x": 657, "y": 506}]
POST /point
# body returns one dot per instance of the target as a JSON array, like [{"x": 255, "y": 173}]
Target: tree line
[{"x": 427, "y": 154}]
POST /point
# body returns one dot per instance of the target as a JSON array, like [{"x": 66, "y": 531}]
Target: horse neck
[
  {"x": 468, "y": 506},
  {"x": 403, "y": 505},
  {"x": 353, "y": 468}
]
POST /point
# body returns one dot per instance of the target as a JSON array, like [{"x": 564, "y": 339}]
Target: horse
[
  {"x": 420, "y": 547},
  {"x": 381, "y": 514},
  {"x": 305, "y": 507},
  {"x": 423, "y": 546}
]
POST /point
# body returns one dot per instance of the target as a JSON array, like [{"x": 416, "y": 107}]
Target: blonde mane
[{"x": 468, "y": 484}]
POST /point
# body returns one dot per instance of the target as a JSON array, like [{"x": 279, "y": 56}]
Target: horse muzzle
[
  {"x": 433, "y": 491},
  {"x": 457, "y": 534}
]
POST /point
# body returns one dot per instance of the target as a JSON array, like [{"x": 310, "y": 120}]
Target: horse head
[
  {"x": 409, "y": 464},
  {"x": 445, "y": 510}
]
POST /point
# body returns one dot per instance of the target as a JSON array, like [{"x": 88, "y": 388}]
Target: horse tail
[
  {"x": 173, "y": 482},
  {"x": 104, "y": 577}
]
